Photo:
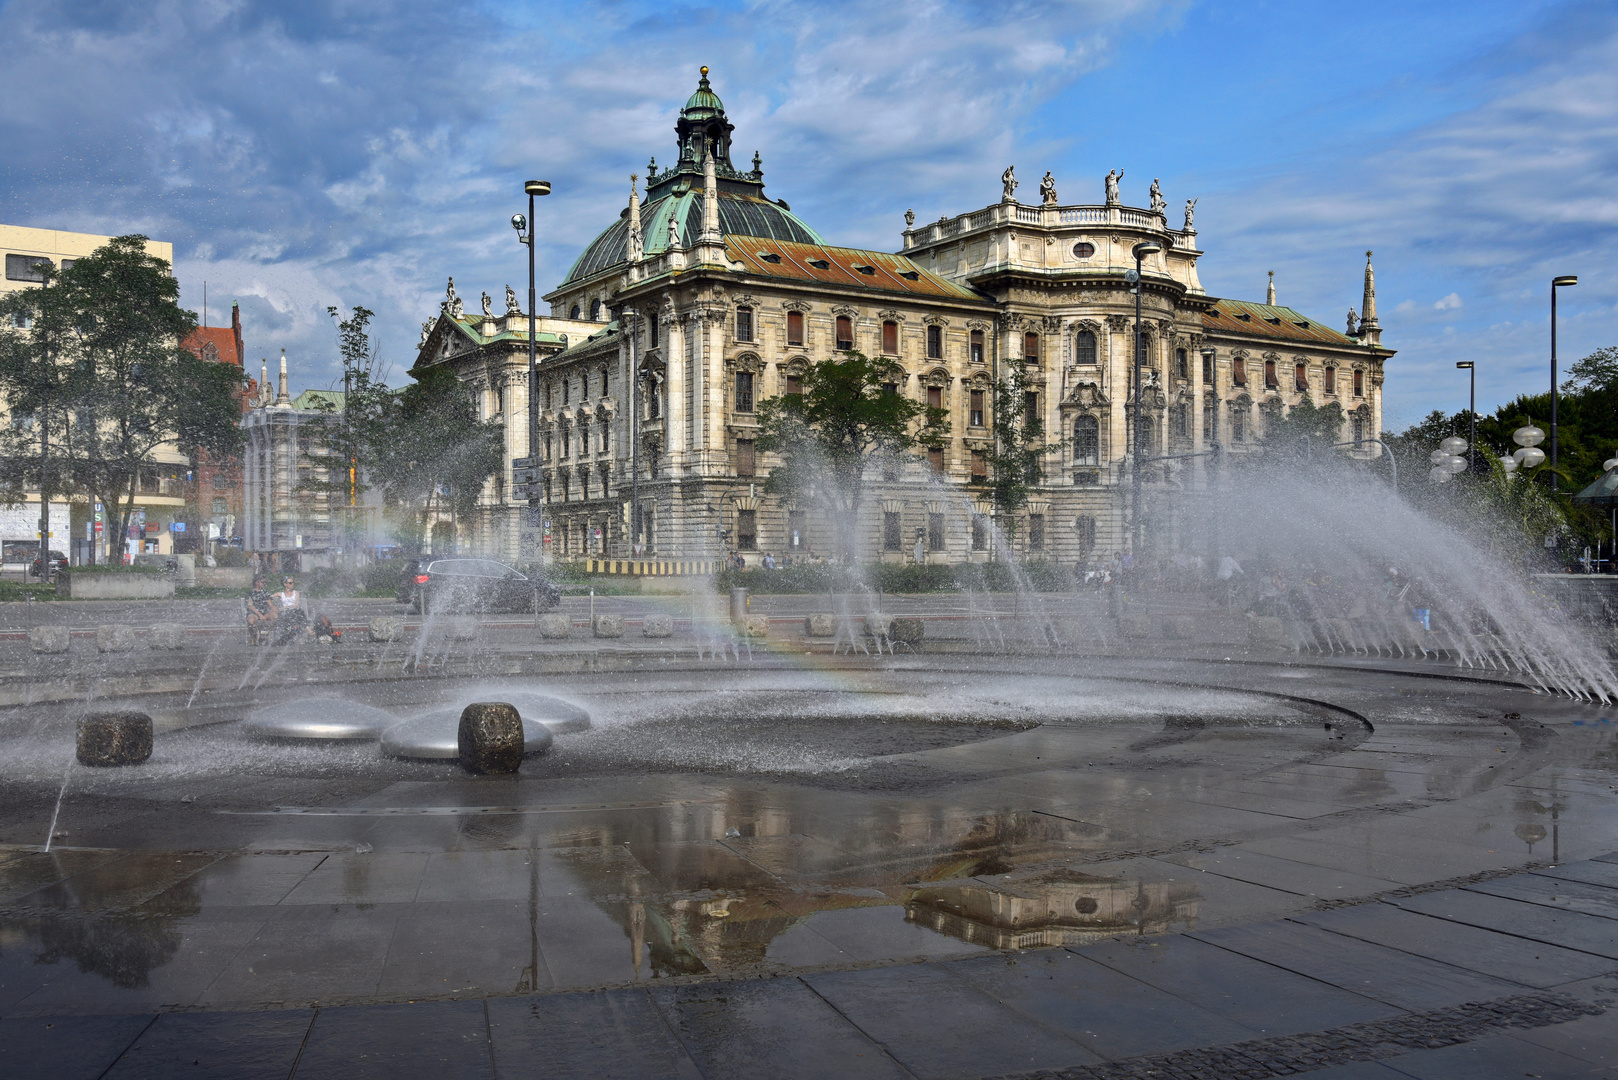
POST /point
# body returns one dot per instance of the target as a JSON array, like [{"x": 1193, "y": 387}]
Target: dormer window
[
  {"x": 1244, "y": 316},
  {"x": 868, "y": 271},
  {"x": 910, "y": 275},
  {"x": 769, "y": 257},
  {"x": 820, "y": 264}
]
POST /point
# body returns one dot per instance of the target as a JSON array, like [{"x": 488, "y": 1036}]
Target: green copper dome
[{"x": 703, "y": 101}]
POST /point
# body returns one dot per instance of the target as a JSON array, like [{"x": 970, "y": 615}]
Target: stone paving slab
[
  {"x": 216, "y": 1046},
  {"x": 613, "y": 1035},
  {"x": 1568, "y": 929}
]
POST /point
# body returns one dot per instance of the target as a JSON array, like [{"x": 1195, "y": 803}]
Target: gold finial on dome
[{"x": 704, "y": 71}]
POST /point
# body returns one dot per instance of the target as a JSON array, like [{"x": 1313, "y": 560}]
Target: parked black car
[
  {"x": 473, "y": 586},
  {"x": 58, "y": 562}
]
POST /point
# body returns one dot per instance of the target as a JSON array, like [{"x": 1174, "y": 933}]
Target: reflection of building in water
[{"x": 1062, "y": 908}]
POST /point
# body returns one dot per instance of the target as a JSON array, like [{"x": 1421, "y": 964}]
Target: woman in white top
[{"x": 293, "y": 617}]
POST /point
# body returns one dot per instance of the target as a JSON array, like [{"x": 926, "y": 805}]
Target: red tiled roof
[
  {"x": 1267, "y": 321},
  {"x": 842, "y": 267},
  {"x": 222, "y": 338}
]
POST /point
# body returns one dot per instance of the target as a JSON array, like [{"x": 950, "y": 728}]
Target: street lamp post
[
  {"x": 1556, "y": 283},
  {"x": 533, "y": 188},
  {"x": 1472, "y": 413},
  {"x": 1141, "y": 250}
]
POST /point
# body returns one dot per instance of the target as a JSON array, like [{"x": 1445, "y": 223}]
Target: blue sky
[{"x": 301, "y": 154}]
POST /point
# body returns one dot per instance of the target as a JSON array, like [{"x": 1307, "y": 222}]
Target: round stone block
[
  {"x": 820, "y": 625},
  {"x": 908, "y": 631},
  {"x": 114, "y": 738},
  {"x": 319, "y": 718},
  {"x": 555, "y": 625},
  {"x": 755, "y": 626},
  {"x": 49, "y": 639},
  {"x": 461, "y": 628},
  {"x": 877, "y": 625},
  {"x": 490, "y": 738},
  {"x": 113, "y": 638},
  {"x": 436, "y": 735},
  {"x": 1179, "y": 627},
  {"x": 608, "y": 626},
  {"x": 386, "y": 628},
  {"x": 657, "y": 625},
  {"x": 166, "y": 635}
]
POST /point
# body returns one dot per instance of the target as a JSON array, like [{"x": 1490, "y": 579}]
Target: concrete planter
[
  {"x": 1135, "y": 627},
  {"x": 1179, "y": 627},
  {"x": 461, "y": 628},
  {"x": 907, "y": 631},
  {"x": 386, "y": 628},
  {"x": 820, "y": 625},
  {"x": 608, "y": 626},
  {"x": 657, "y": 625},
  {"x": 555, "y": 626},
  {"x": 115, "y": 638},
  {"x": 224, "y": 577},
  {"x": 166, "y": 636},
  {"x": 114, "y": 586},
  {"x": 49, "y": 639},
  {"x": 755, "y": 626}
]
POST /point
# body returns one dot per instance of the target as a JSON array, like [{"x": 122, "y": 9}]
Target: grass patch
[{"x": 17, "y": 591}]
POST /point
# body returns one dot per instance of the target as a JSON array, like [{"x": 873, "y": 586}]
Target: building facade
[{"x": 709, "y": 297}]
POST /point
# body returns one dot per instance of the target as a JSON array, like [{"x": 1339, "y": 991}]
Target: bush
[
  {"x": 114, "y": 568},
  {"x": 327, "y": 581},
  {"x": 383, "y": 578},
  {"x": 226, "y": 556},
  {"x": 1041, "y": 575}
]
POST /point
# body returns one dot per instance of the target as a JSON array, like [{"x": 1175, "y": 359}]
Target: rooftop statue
[
  {"x": 1047, "y": 190},
  {"x": 1191, "y": 215},
  {"x": 1008, "y": 181},
  {"x": 910, "y": 218},
  {"x": 674, "y": 232},
  {"x": 511, "y": 301},
  {"x": 488, "y": 306},
  {"x": 1159, "y": 204},
  {"x": 1353, "y": 322},
  {"x": 426, "y": 332},
  {"x": 1113, "y": 176}
]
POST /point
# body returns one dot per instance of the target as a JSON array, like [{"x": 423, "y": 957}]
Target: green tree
[
  {"x": 354, "y": 427},
  {"x": 34, "y": 325},
  {"x": 849, "y": 414},
  {"x": 429, "y": 451},
  {"x": 1305, "y": 429},
  {"x": 1017, "y": 459},
  {"x": 112, "y": 324}
]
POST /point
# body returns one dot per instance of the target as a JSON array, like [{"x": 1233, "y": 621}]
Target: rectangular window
[
  {"x": 67, "y": 264},
  {"x": 747, "y": 530},
  {"x": 845, "y": 333},
  {"x": 977, "y": 347},
  {"x": 797, "y": 530},
  {"x": 794, "y": 384},
  {"x": 935, "y": 342},
  {"x": 1030, "y": 410},
  {"x": 25, "y": 267},
  {"x": 891, "y": 388},
  {"x": 1238, "y": 424},
  {"x": 1085, "y": 526},
  {"x": 1359, "y": 383},
  {"x": 567, "y": 385},
  {"x": 1302, "y": 376},
  {"x": 744, "y": 324},
  {"x": 1036, "y": 532},
  {"x": 744, "y": 457},
  {"x": 794, "y": 328},
  {"x": 1086, "y": 441},
  {"x": 1238, "y": 371},
  {"x": 1208, "y": 368},
  {"x": 1182, "y": 366},
  {"x": 935, "y": 397},
  {"x": 1359, "y": 428},
  {"x": 892, "y": 539},
  {"x": 652, "y": 331},
  {"x": 1210, "y": 417},
  {"x": 935, "y": 532},
  {"x": 1331, "y": 381},
  {"x": 890, "y": 339},
  {"x": 744, "y": 391},
  {"x": 980, "y": 533},
  {"x": 976, "y": 417},
  {"x": 1270, "y": 380},
  {"x": 1030, "y": 348},
  {"x": 980, "y": 465},
  {"x": 935, "y": 460}
]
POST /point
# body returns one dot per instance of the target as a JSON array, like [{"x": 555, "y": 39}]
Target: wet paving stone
[
  {"x": 216, "y": 1046},
  {"x": 1568, "y": 929},
  {"x": 1556, "y": 893},
  {"x": 445, "y": 1040},
  {"x": 65, "y": 1048},
  {"x": 613, "y": 1035}
]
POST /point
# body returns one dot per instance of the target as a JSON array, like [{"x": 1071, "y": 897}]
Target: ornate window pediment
[
  {"x": 935, "y": 320},
  {"x": 979, "y": 324},
  {"x": 797, "y": 305},
  {"x": 935, "y": 377},
  {"x": 745, "y": 362},
  {"x": 795, "y": 365},
  {"x": 891, "y": 315},
  {"x": 845, "y": 311},
  {"x": 978, "y": 380},
  {"x": 1086, "y": 394}
]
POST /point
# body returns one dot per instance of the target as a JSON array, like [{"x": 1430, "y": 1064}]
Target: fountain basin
[{"x": 319, "y": 718}]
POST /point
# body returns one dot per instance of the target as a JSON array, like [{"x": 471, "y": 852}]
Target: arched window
[
  {"x": 977, "y": 347},
  {"x": 890, "y": 338},
  {"x": 1030, "y": 348},
  {"x": 744, "y": 324},
  {"x": 1084, "y": 348},
  {"x": 794, "y": 328},
  {"x": 1086, "y": 441},
  {"x": 595, "y": 310},
  {"x": 1238, "y": 423},
  {"x": 1359, "y": 428},
  {"x": 574, "y": 312},
  {"x": 845, "y": 333}
]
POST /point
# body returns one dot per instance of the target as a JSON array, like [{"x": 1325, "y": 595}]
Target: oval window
[
  {"x": 1083, "y": 249},
  {"x": 1086, "y": 905}
]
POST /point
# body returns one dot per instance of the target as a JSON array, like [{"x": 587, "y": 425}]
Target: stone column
[
  {"x": 674, "y": 393},
  {"x": 697, "y": 351}
]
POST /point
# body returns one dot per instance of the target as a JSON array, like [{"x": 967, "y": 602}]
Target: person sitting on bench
[{"x": 261, "y": 611}]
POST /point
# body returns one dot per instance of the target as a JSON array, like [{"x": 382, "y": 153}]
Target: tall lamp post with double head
[
  {"x": 1556, "y": 283},
  {"x": 1141, "y": 251},
  {"x": 525, "y": 235},
  {"x": 1471, "y": 412}
]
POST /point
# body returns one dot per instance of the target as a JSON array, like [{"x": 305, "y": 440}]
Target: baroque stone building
[{"x": 708, "y": 296}]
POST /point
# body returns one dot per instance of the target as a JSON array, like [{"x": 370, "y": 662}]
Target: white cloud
[{"x": 1452, "y": 302}]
